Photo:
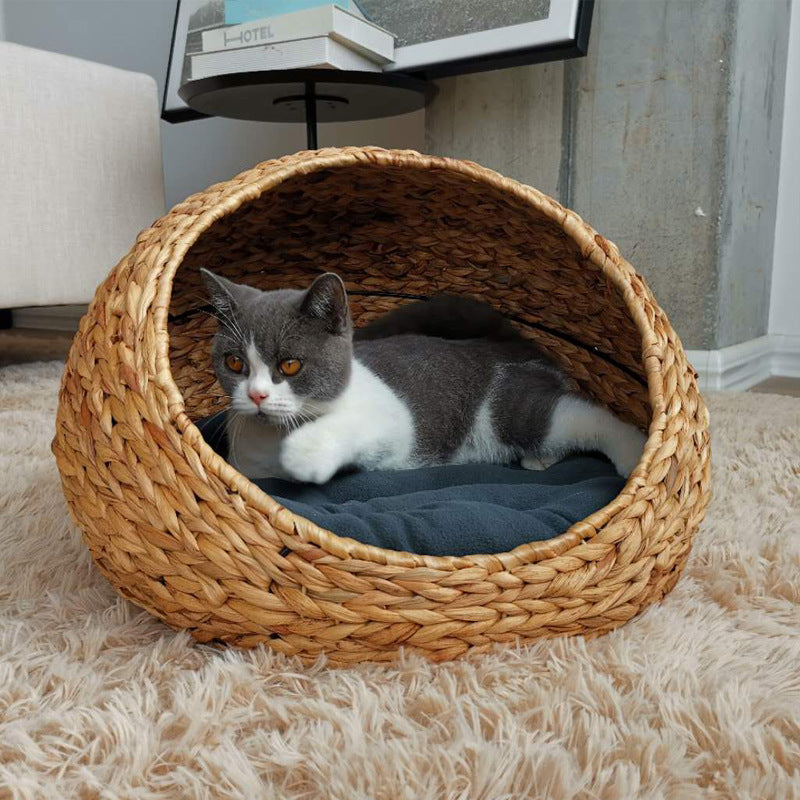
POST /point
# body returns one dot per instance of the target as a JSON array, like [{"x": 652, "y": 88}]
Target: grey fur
[
  {"x": 444, "y": 382},
  {"x": 443, "y": 377},
  {"x": 446, "y": 316}
]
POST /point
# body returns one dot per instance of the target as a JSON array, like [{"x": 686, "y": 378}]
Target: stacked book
[{"x": 325, "y": 36}]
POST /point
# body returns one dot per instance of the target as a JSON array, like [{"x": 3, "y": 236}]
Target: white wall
[
  {"x": 135, "y": 35},
  {"x": 2, "y": 22},
  {"x": 784, "y": 315}
]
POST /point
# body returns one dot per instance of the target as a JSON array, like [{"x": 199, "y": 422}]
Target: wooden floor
[
  {"x": 788, "y": 386},
  {"x": 21, "y": 345}
]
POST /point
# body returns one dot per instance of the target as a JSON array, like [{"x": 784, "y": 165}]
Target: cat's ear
[
  {"x": 221, "y": 292},
  {"x": 326, "y": 299}
]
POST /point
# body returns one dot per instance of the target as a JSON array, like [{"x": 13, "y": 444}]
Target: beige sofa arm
[{"x": 80, "y": 173}]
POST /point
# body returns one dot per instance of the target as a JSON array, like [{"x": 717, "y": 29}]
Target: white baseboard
[
  {"x": 786, "y": 356},
  {"x": 744, "y": 365},
  {"x": 48, "y": 318}
]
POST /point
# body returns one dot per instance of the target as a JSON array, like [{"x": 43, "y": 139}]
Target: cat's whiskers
[
  {"x": 232, "y": 325},
  {"x": 218, "y": 432},
  {"x": 228, "y": 321},
  {"x": 299, "y": 418},
  {"x": 291, "y": 421},
  {"x": 204, "y": 302},
  {"x": 287, "y": 422},
  {"x": 305, "y": 416},
  {"x": 234, "y": 429}
]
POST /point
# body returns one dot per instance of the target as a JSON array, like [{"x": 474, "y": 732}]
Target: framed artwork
[{"x": 431, "y": 40}]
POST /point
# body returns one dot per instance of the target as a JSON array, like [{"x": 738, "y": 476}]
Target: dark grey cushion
[{"x": 450, "y": 510}]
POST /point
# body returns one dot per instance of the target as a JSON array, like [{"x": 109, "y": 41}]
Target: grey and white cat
[{"x": 307, "y": 399}]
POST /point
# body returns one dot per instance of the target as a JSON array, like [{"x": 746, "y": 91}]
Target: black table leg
[{"x": 311, "y": 116}]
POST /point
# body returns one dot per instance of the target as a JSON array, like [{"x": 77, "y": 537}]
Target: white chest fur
[
  {"x": 376, "y": 421},
  {"x": 254, "y": 447},
  {"x": 367, "y": 426}
]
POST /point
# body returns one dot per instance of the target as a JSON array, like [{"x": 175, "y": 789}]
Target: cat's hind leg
[
  {"x": 537, "y": 462},
  {"x": 577, "y": 424}
]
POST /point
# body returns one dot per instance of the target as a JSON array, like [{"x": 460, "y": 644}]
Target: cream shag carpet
[{"x": 697, "y": 698}]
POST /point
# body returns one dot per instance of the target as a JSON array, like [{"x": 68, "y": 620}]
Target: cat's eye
[
  {"x": 290, "y": 366},
  {"x": 234, "y": 363}
]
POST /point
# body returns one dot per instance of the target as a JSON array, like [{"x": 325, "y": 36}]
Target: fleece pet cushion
[{"x": 448, "y": 510}]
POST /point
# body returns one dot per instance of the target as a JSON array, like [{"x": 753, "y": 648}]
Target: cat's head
[{"x": 281, "y": 355}]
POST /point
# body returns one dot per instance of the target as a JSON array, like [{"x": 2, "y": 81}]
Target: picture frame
[{"x": 560, "y": 33}]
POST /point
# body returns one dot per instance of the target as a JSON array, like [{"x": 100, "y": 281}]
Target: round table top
[{"x": 279, "y": 95}]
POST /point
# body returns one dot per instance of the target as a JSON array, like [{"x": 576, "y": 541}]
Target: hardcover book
[
  {"x": 329, "y": 19},
  {"x": 238, "y": 11},
  {"x": 320, "y": 52}
]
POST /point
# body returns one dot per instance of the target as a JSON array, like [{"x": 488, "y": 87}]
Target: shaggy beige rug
[{"x": 697, "y": 698}]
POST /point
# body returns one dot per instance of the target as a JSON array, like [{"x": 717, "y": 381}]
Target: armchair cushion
[{"x": 80, "y": 160}]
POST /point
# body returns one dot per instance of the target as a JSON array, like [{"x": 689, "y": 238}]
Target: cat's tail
[
  {"x": 579, "y": 424},
  {"x": 444, "y": 316}
]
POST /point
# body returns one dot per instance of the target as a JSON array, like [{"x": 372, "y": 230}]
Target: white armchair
[{"x": 80, "y": 173}]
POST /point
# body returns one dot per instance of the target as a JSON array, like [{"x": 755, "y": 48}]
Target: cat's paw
[{"x": 309, "y": 458}]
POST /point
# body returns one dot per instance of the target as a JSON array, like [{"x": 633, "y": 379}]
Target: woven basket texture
[{"x": 182, "y": 534}]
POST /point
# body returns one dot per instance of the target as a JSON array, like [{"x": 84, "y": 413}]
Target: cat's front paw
[{"x": 309, "y": 458}]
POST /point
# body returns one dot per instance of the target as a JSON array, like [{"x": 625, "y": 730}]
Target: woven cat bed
[{"x": 181, "y": 533}]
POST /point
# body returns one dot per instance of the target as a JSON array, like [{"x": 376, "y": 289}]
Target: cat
[{"x": 443, "y": 381}]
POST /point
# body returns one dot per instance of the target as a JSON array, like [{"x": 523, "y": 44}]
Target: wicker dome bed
[{"x": 179, "y": 532}]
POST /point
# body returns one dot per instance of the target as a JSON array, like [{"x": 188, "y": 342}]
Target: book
[
  {"x": 320, "y": 52},
  {"x": 239, "y": 11},
  {"x": 348, "y": 29}
]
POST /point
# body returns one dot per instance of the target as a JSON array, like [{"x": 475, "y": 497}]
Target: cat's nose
[{"x": 258, "y": 397}]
